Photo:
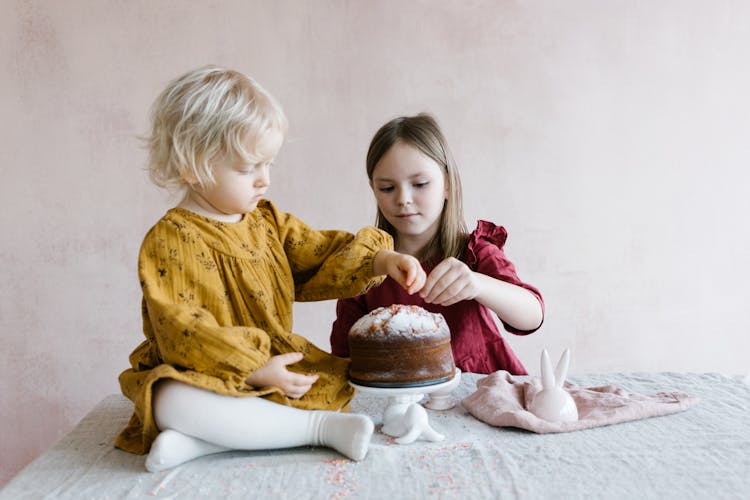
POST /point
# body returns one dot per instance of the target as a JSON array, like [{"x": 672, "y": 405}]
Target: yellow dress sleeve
[
  {"x": 188, "y": 312},
  {"x": 329, "y": 264}
]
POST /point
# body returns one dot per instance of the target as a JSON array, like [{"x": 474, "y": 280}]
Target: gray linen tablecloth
[{"x": 703, "y": 452}]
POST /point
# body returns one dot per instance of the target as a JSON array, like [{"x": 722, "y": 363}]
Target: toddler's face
[
  {"x": 239, "y": 185},
  {"x": 410, "y": 191}
]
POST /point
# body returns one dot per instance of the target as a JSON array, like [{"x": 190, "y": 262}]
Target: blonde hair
[
  {"x": 205, "y": 113},
  {"x": 422, "y": 132}
]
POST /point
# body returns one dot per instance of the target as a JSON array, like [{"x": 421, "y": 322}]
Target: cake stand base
[{"x": 403, "y": 417}]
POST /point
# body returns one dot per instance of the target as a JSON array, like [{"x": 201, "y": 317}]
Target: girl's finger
[
  {"x": 418, "y": 281},
  {"x": 452, "y": 298},
  {"x": 411, "y": 273},
  {"x": 442, "y": 283},
  {"x": 297, "y": 390},
  {"x": 289, "y": 358},
  {"x": 419, "y": 278},
  {"x": 432, "y": 280}
]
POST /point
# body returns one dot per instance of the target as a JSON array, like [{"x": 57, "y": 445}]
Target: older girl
[{"x": 418, "y": 194}]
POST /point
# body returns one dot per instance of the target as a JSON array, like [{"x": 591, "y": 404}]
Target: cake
[{"x": 400, "y": 346}]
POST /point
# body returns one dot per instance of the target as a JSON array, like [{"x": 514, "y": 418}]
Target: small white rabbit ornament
[
  {"x": 553, "y": 402},
  {"x": 407, "y": 421}
]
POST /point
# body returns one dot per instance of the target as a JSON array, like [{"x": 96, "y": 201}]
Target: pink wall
[{"x": 610, "y": 138}]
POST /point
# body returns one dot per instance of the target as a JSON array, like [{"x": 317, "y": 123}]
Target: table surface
[{"x": 703, "y": 452}]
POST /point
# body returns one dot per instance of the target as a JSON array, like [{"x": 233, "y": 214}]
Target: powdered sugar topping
[{"x": 400, "y": 320}]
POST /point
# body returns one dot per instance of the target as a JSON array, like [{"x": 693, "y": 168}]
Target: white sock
[
  {"x": 172, "y": 448},
  {"x": 199, "y": 422},
  {"x": 347, "y": 433}
]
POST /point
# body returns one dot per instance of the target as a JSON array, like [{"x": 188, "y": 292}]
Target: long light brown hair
[{"x": 422, "y": 132}]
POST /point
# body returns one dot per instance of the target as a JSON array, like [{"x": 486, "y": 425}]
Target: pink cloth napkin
[{"x": 502, "y": 401}]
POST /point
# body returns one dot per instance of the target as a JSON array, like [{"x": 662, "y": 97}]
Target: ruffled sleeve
[
  {"x": 485, "y": 254},
  {"x": 486, "y": 232}
]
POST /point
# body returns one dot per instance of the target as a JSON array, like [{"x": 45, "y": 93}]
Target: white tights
[{"x": 195, "y": 422}]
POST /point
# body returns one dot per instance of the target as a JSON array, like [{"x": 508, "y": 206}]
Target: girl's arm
[
  {"x": 336, "y": 264},
  {"x": 452, "y": 281},
  {"x": 404, "y": 269}
]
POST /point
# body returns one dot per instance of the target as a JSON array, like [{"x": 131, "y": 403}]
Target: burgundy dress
[{"x": 477, "y": 344}]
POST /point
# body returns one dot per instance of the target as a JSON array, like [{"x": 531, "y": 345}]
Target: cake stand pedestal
[{"x": 404, "y": 418}]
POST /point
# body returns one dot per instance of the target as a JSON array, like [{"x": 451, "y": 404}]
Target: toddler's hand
[
  {"x": 406, "y": 270},
  {"x": 274, "y": 373},
  {"x": 449, "y": 282}
]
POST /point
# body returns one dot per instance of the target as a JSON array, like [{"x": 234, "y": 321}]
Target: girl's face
[
  {"x": 410, "y": 191},
  {"x": 239, "y": 185}
]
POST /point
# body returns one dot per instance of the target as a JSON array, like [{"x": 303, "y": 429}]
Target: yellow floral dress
[{"x": 217, "y": 304}]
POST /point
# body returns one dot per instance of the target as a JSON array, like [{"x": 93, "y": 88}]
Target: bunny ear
[
  {"x": 548, "y": 379},
  {"x": 561, "y": 371}
]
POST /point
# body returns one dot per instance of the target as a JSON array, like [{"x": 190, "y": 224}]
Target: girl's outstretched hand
[
  {"x": 404, "y": 269},
  {"x": 275, "y": 374},
  {"x": 449, "y": 282}
]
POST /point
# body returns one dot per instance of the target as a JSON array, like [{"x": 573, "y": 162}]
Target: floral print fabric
[{"x": 217, "y": 304}]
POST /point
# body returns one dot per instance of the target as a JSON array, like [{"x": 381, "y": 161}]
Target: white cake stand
[{"x": 403, "y": 417}]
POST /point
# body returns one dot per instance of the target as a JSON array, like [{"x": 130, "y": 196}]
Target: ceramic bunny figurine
[
  {"x": 407, "y": 421},
  {"x": 553, "y": 402}
]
